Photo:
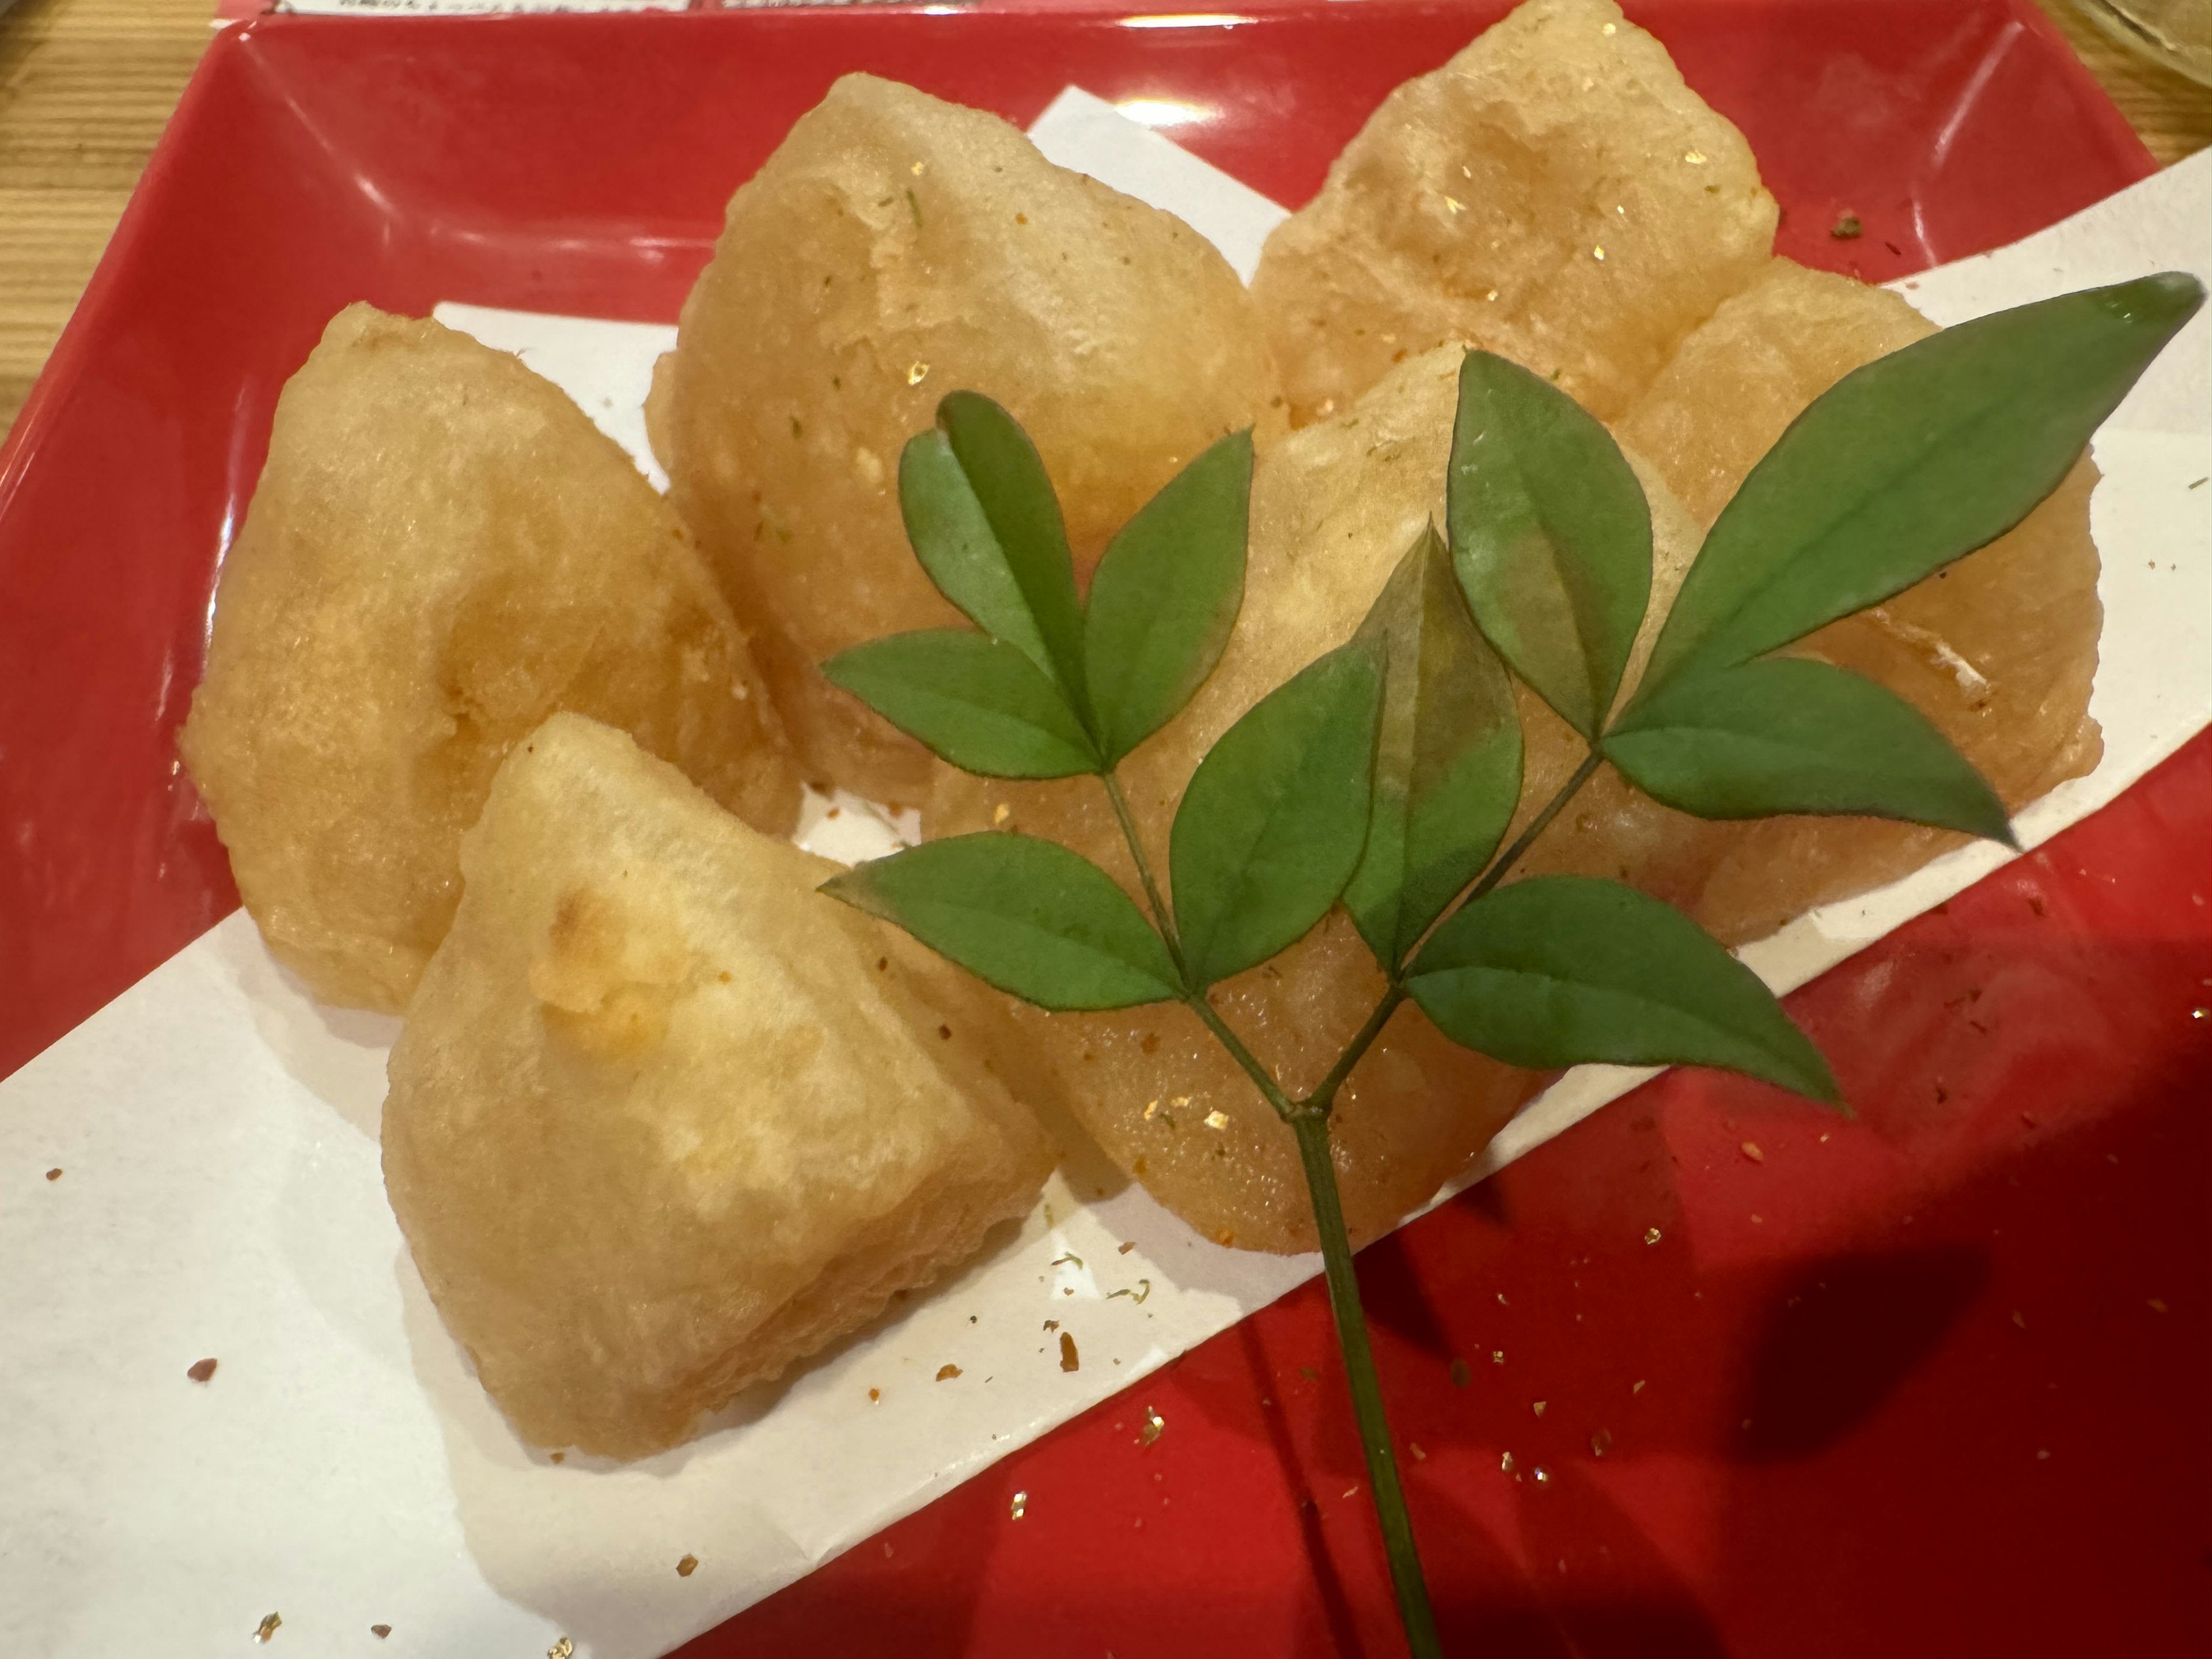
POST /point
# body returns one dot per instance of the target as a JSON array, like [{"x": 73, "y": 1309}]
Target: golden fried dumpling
[
  {"x": 442, "y": 552},
  {"x": 1333, "y": 508},
  {"x": 663, "y": 1119},
  {"x": 1998, "y": 650},
  {"x": 893, "y": 249},
  {"x": 1554, "y": 194}
]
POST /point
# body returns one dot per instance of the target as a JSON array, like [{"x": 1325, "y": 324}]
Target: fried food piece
[
  {"x": 664, "y": 1120},
  {"x": 1554, "y": 194},
  {"x": 893, "y": 249},
  {"x": 1333, "y": 508},
  {"x": 1998, "y": 650},
  {"x": 442, "y": 552}
]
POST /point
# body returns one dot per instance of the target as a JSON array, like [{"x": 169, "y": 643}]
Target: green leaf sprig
[{"x": 1385, "y": 774}]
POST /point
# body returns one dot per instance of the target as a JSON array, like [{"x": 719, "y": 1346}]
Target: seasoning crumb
[
  {"x": 200, "y": 1371},
  {"x": 560, "y": 1457},
  {"x": 2157, "y": 1304},
  {"x": 1538, "y": 1407},
  {"x": 2042, "y": 1456},
  {"x": 267, "y": 1627},
  {"x": 1639, "y": 1388},
  {"x": 1217, "y": 1120},
  {"x": 1600, "y": 1442},
  {"x": 1696, "y": 158},
  {"x": 1151, "y": 1428},
  {"x": 1414, "y": 1447},
  {"x": 54, "y": 1174},
  {"x": 1069, "y": 1360},
  {"x": 1461, "y": 1376},
  {"x": 1498, "y": 1356},
  {"x": 1002, "y": 813},
  {"x": 1847, "y": 228},
  {"x": 687, "y": 1566},
  {"x": 1751, "y": 1150},
  {"x": 916, "y": 374},
  {"x": 1505, "y": 1463},
  {"x": 1126, "y": 1247},
  {"x": 1543, "y": 1475},
  {"x": 946, "y": 1373},
  {"x": 2019, "y": 1319},
  {"x": 875, "y": 1396},
  {"x": 1052, "y": 1324},
  {"x": 380, "y": 1631},
  {"x": 1650, "y": 1235},
  {"x": 1019, "y": 1507}
]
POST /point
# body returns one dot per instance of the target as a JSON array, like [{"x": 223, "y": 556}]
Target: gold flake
[
  {"x": 1639, "y": 1388},
  {"x": 1696, "y": 158},
  {"x": 1351, "y": 1492},
  {"x": 267, "y": 1627},
  {"x": 1151, "y": 1428},
  {"x": 1019, "y": 1507},
  {"x": 1002, "y": 813},
  {"x": 1498, "y": 1356},
  {"x": 564, "y": 1649},
  {"x": 1538, "y": 1407},
  {"x": 1758, "y": 1220},
  {"x": 1491, "y": 295},
  {"x": 1598, "y": 254},
  {"x": 1543, "y": 1475},
  {"x": 1151, "y": 1111},
  {"x": 2157, "y": 1304},
  {"x": 1069, "y": 1360},
  {"x": 916, "y": 374},
  {"x": 1454, "y": 204},
  {"x": 1607, "y": 29},
  {"x": 1217, "y": 1120},
  {"x": 1600, "y": 1442},
  {"x": 687, "y": 1566},
  {"x": 1650, "y": 1235},
  {"x": 1414, "y": 1447},
  {"x": 918, "y": 168},
  {"x": 2019, "y": 1319},
  {"x": 1751, "y": 1150},
  {"x": 1505, "y": 1463},
  {"x": 946, "y": 1373}
]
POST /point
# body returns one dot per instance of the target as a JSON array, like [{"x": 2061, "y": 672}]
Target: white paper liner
[{"x": 222, "y": 1195}]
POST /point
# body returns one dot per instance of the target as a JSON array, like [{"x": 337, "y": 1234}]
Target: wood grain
[{"x": 86, "y": 85}]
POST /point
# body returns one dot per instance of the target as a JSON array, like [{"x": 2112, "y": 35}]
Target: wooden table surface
[{"x": 86, "y": 85}]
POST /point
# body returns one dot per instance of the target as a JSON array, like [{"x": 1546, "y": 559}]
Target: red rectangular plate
[{"x": 1930, "y": 1384}]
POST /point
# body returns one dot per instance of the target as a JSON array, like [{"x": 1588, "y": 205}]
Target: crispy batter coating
[
  {"x": 893, "y": 249},
  {"x": 1998, "y": 650},
  {"x": 443, "y": 550},
  {"x": 664, "y": 1120},
  {"x": 1554, "y": 193}
]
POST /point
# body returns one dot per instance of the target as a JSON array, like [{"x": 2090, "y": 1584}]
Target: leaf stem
[
  {"x": 1285, "y": 1107},
  {"x": 1311, "y": 1128},
  {"x": 1112, "y": 779},
  {"x": 1324, "y": 1094},
  {"x": 1512, "y": 855}
]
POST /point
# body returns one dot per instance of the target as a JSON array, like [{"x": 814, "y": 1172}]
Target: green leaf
[
  {"x": 986, "y": 525},
  {"x": 1914, "y": 460},
  {"x": 1786, "y": 735},
  {"x": 1270, "y": 827},
  {"x": 1026, "y": 916},
  {"x": 975, "y": 700},
  {"x": 1552, "y": 536},
  {"x": 1557, "y": 970},
  {"x": 1164, "y": 598},
  {"x": 1447, "y": 754}
]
